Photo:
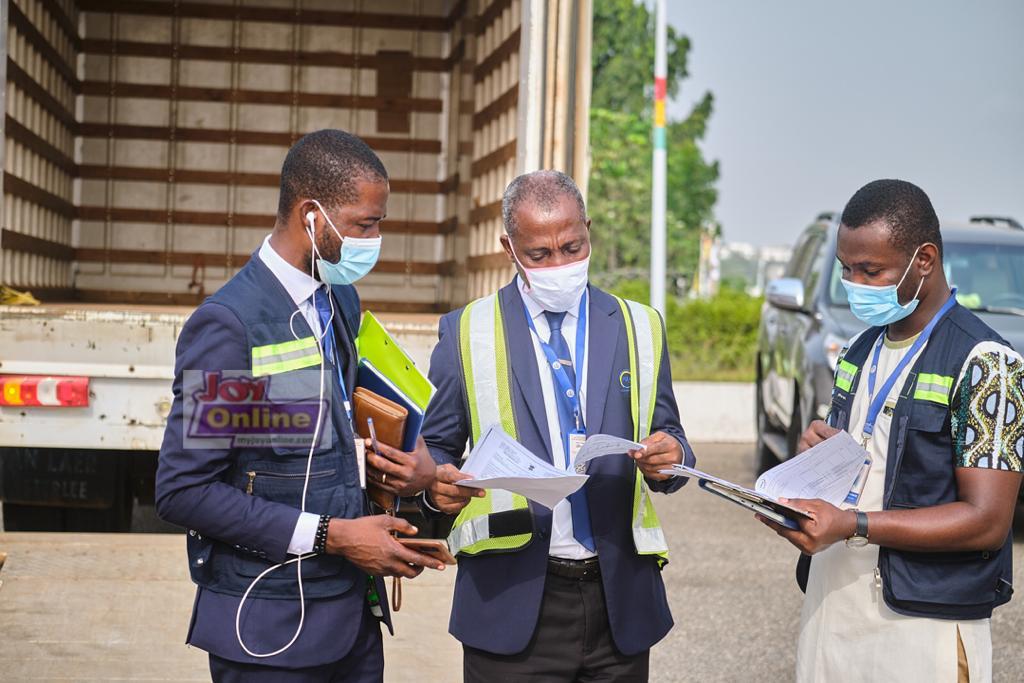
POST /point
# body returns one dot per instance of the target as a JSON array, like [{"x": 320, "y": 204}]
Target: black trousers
[{"x": 572, "y": 642}]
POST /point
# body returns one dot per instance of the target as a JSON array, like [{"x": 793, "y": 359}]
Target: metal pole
[{"x": 658, "y": 172}]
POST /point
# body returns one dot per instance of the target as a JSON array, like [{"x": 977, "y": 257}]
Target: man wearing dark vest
[
  {"x": 573, "y": 593},
  {"x": 904, "y": 577},
  {"x": 283, "y": 329}
]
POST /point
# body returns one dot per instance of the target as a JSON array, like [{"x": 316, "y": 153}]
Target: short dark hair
[
  {"x": 325, "y": 165},
  {"x": 903, "y": 206},
  {"x": 543, "y": 188}
]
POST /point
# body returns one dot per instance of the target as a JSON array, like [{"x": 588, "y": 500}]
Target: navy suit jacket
[
  {"x": 498, "y": 596},
  {"x": 193, "y": 491}
]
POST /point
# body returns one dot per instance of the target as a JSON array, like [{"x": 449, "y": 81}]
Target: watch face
[{"x": 856, "y": 541}]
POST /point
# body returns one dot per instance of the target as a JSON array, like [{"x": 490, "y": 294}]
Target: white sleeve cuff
[{"x": 304, "y": 534}]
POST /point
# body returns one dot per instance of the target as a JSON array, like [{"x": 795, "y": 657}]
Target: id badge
[
  {"x": 361, "y": 460},
  {"x": 576, "y": 441}
]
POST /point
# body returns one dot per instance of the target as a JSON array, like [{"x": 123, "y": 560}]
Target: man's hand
[
  {"x": 816, "y": 432},
  {"x": 368, "y": 544},
  {"x": 403, "y": 474},
  {"x": 446, "y": 496},
  {"x": 660, "y": 452},
  {"x": 827, "y": 525}
]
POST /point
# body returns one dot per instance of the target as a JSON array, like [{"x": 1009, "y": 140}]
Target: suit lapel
[
  {"x": 284, "y": 300},
  {"x": 524, "y": 364},
  {"x": 603, "y": 340}
]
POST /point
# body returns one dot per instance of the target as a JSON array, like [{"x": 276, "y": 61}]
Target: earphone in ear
[{"x": 310, "y": 224}]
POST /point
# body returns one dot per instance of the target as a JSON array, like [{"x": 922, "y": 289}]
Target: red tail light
[{"x": 44, "y": 390}]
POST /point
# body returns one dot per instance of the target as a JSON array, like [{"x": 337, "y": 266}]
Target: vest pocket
[
  {"x": 924, "y": 477},
  {"x": 934, "y": 582},
  {"x": 926, "y": 417},
  {"x": 282, "y": 482}
]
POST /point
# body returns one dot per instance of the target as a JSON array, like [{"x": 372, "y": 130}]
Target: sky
[{"x": 815, "y": 98}]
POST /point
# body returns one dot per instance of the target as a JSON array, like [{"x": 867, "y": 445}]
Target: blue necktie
[
  {"x": 323, "y": 309},
  {"x": 567, "y": 423}
]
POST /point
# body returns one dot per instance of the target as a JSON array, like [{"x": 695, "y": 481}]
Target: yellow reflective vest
[{"x": 486, "y": 372}]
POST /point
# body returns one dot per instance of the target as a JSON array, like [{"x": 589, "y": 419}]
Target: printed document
[
  {"x": 498, "y": 461},
  {"x": 827, "y": 472},
  {"x": 600, "y": 445}
]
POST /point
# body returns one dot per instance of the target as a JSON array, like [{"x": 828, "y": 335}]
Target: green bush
[{"x": 709, "y": 340}]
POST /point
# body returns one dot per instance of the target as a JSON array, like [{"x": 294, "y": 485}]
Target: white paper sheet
[
  {"x": 498, "y": 461},
  {"x": 600, "y": 445},
  {"x": 826, "y": 471}
]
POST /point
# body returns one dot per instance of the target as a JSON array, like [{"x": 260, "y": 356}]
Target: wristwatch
[{"x": 860, "y": 536}]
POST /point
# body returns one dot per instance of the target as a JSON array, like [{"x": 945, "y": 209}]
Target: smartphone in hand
[{"x": 435, "y": 547}]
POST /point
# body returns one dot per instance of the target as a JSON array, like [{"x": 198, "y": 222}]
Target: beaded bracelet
[{"x": 320, "y": 540}]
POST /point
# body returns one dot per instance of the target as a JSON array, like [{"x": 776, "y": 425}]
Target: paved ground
[{"x": 103, "y": 607}]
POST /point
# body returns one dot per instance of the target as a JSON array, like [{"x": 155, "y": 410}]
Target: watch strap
[{"x": 862, "y": 524}]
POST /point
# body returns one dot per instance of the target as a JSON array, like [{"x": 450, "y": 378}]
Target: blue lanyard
[
  {"x": 561, "y": 377},
  {"x": 877, "y": 401}
]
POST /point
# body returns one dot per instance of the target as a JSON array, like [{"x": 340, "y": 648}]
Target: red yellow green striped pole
[{"x": 658, "y": 191}]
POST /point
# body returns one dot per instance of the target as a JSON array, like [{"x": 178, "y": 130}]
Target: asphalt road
[
  {"x": 734, "y": 596},
  {"x": 730, "y": 583}
]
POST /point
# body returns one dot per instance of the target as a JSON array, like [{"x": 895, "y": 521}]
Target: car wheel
[{"x": 764, "y": 458}]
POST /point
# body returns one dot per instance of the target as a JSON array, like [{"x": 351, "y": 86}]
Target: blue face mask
[
  {"x": 358, "y": 256},
  {"x": 880, "y": 306}
]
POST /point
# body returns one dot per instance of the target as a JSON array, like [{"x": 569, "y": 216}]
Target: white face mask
[{"x": 559, "y": 288}]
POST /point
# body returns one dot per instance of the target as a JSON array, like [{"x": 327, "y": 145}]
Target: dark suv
[{"x": 806, "y": 319}]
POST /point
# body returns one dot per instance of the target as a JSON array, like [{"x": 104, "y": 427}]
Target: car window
[
  {"x": 985, "y": 275},
  {"x": 803, "y": 254},
  {"x": 817, "y": 262}
]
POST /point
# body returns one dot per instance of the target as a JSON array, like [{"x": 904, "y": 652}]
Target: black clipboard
[{"x": 766, "y": 507}]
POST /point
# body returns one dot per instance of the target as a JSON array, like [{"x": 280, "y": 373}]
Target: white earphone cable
[{"x": 309, "y": 464}]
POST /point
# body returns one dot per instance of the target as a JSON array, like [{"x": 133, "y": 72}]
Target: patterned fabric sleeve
[{"x": 987, "y": 407}]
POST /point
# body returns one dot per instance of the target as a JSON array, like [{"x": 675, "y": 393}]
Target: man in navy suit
[
  {"x": 573, "y": 593},
  {"x": 283, "y": 329}
]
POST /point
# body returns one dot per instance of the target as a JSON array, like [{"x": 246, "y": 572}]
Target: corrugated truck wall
[
  {"x": 41, "y": 47},
  {"x": 496, "y": 105},
  {"x": 188, "y": 110},
  {"x": 532, "y": 111},
  {"x": 185, "y": 110}
]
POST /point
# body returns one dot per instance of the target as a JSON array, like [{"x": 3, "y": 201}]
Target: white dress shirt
[
  {"x": 300, "y": 286},
  {"x": 563, "y": 543}
]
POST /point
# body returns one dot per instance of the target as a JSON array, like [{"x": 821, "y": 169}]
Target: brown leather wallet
[
  {"x": 389, "y": 424},
  {"x": 388, "y": 417}
]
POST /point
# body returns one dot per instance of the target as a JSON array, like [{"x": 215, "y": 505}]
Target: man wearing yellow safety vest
[{"x": 573, "y": 593}]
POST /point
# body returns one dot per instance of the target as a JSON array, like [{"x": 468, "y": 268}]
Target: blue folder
[{"x": 373, "y": 379}]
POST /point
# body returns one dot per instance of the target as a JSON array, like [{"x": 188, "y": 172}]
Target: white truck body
[{"x": 142, "y": 143}]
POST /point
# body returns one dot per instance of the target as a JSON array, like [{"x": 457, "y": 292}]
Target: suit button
[
  {"x": 191, "y": 532},
  {"x": 199, "y": 562}
]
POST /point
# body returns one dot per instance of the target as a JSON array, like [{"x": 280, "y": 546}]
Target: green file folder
[{"x": 376, "y": 345}]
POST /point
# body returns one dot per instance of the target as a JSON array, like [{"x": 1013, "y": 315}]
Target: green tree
[
  {"x": 621, "y": 148},
  {"x": 623, "y": 57}
]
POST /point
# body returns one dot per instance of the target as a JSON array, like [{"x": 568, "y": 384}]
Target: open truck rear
[{"x": 142, "y": 142}]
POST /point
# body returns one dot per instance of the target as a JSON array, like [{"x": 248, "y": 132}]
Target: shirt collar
[
  {"x": 533, "y": 308},
  {"x": 299, "y": 285}
]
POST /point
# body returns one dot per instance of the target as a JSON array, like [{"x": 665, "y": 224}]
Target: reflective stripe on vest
[
  {"x": 644, "y": 336},
  {"x": 291, "y": 355},
  {"x": 486, "y": 369},
  {"x": 845, "y": 374},
  {"x": 933, "y": 388}
]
